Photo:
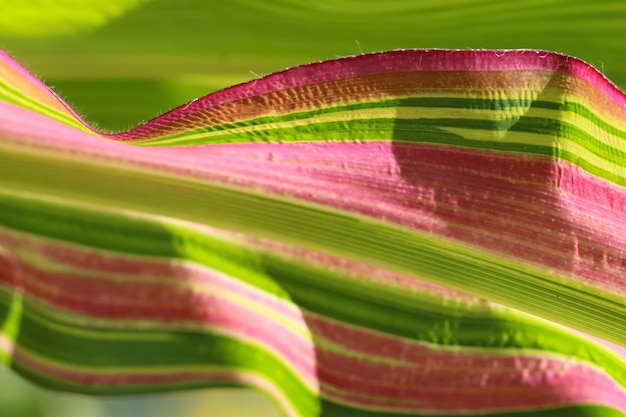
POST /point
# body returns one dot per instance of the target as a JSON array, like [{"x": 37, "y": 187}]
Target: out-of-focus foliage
[
  {"x": 50, "y": 18},
  {"x": 162, "y": 53},
  {"x": 19, "y": 398}
]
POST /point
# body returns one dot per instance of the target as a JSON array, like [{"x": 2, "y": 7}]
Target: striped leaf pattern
[{"x": 416, "y": 232}]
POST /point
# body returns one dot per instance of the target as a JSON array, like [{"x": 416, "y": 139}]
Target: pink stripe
[
  {"x": 10, "y": 268},
  {"x": 166, "y": 304},
  {"x": 517, "y": 381},
  {"x": 456, "y": 403},
  {"x": 6, "y": 59},
  {"x": 173, "y": 302},
  {"x": 482, "y": 198},
  {"x": 428, "y": 379},
  {"x": 28, "y": 77},
  {"x": 596, "y": 211},
  {"x": 414, "y": 353},
  {"x": 140, "y": 269},
  {"x": 396, "y": 61},
  {"x": 370, "y": 64},
  {"x": 6, "y": 345},
  {"x": 165, "y": 377},
  {"x": 503, "y": 202},
  {"x": 616, "y": 349}
]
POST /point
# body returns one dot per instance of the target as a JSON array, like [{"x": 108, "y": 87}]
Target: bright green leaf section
[
  {"x": 44, "y": 18},
  {"x": 159, "y": 54},
  {"x": 352, "y": 237}
]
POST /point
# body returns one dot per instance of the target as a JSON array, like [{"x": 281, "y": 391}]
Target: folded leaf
[{"x": 329, "y": 235}]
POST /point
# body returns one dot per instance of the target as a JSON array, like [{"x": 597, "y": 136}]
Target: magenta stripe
[
  {"x": 166, "y": 305},
  {"x": 455, "y": 403},
  {"x": 370, "y": 64},
  {"x": 392, "y": 62},
  {"x": 166, "y": 378},
  {"x": 512, "y": 376},
  {"x": 507, "y": 203},
  {"x": 481, "y": 198},
  {"x": 173, "y": 302},
  {"x": 421, "y": 354},
  {"x": 479, "y": 381},
  {"x": 139, "y": 270}
]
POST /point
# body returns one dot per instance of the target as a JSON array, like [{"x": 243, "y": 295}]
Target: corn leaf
[{"x": 415, "y": 232}]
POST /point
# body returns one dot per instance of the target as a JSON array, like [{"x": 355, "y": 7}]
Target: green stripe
[
  {"x": 417, "y": 316},
  {"x": 11, "y": 311},
  {"x": 330, "y": 408},
  {"x": 128, "y": 389},
  {"x": 16, "y": 97},
  {"x": 427, "y": 131},
  {"x": 40, "y": 333},
  {"x": 443, "y": 103},
  {"x": 425, "y": 102},
  {"x": 423, "y": 131},
  {"x": 434, "y": 131},
  {"x": 135, "y": 235},
  {"x": 429, "y": 319},
  {"x": 548, "y": 126},
  {"x": 310, "y": 226}
]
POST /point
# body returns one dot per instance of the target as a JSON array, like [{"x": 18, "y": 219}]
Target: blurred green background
[
  {"x": 122, "y": 62},
  {"x": 19, "y": 398}
]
